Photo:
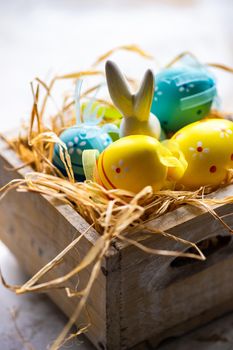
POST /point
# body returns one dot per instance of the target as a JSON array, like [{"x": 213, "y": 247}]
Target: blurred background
[
  {"x": 47, "y": 37},
  {"x": 41, "y": 38}
]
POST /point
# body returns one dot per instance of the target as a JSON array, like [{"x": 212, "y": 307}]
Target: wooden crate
[{"x": 138, "y": 298}]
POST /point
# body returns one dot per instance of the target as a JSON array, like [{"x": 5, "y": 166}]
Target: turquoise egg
[
  {"x": 183, "y": 95},
  {"x": 78, "y": 139}
]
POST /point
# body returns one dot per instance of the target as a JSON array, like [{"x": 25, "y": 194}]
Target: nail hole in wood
[
  {"x": 40, "y": 251},
  {"x": 11, "y": 230}
]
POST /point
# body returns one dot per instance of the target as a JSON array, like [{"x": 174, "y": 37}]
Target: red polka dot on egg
[{"x": 213, "y": 169}]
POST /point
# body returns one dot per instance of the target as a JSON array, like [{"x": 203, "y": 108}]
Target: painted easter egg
[
  {"x": 182, "y": 96},
  {"x": 136, "y": 161},
  {"x": 109, "y": 113},
  {"x": 208, "y": 148},
  {"x": 78, "y": 139}
]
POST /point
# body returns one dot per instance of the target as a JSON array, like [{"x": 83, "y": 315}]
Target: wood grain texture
[
  {"x": 175, "y": 299},
  {"x": 36, "y": 231},
  {"x": 137, "y": 298}
]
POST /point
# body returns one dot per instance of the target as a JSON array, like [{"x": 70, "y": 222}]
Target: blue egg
[
  {"x": 78, "y": 139},
  {"x": 183, "y": 95}
]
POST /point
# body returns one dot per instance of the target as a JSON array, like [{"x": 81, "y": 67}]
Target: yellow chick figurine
[
  {"x": 136, "y": 161},
  {"x": 135, "y": 108},
  {"x": 208, "y": 148}
]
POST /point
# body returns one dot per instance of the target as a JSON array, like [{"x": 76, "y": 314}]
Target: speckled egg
[
  {"x": 78, "y": 139},
  {"x": 182, "y": 96},
  {"x": 136, "y": 161},
  {"x": 208, "y": 148}
]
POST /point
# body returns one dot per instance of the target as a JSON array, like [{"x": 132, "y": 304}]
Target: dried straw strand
[{"x": 117, "y": 215}]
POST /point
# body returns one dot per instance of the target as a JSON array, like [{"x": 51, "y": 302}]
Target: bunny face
[
  {"x": 133, "y": 162},
  {"x": 208, "y": 149},
  {"x": 135, "y": 108}
]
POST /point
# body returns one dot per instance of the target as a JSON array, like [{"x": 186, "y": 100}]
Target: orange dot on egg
[{"x": 213, "y": 169}]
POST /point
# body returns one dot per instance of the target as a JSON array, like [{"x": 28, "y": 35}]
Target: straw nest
[{"x": 115, "y": 214}]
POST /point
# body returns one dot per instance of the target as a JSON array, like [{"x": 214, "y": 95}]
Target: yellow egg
[
  {"x": 136, "y": 161},
  {"x": 208, "y": 148}
]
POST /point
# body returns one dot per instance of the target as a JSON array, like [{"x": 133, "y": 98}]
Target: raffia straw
[
  {"x": 116, "y": 214},
  {"x": 25, "y": 343},
  {"x": 152, "y": 231},
  {"x": 179, "y": 57},
  {"x": 54, "y": 262},
  {"x": 74, "y": 75},
  {"x": 35, "y": 108},
  {"x": 132, "y": 48},
  {"x": 163, "y": 252},
  {"x": 221, "y": 66},
  {"x": 94, "y": 273},
  {"x": 48, "y": 92},
  {"x": 85, "y": 293},
  {"x": 82, "y": 74},
  {"x": 40, "y": 180},
  {"x": 188, "y": 53},
  {"x": 129, "y": 214},
  {"x": 81, "y": 330},
  {"x": 50, "y": 137}
]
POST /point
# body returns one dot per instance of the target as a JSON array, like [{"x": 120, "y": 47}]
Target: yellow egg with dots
[
  {"x": 136, "y": 161},
  {"x": 208, "y": 148}
]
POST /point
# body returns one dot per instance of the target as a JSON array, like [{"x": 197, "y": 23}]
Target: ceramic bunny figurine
[
  {"x": 135, "y": 108},
  {"x": 86, "y": 134}
]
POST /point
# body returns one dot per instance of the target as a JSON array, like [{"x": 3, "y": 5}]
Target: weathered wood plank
[
  {"x": 217, "y": 335},
  {"x": 137, "y": 296},
  {"x": 36, "y": 231}
]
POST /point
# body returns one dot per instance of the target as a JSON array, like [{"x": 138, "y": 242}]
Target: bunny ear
[
  {"x": 118, "y": 89},
  {"x": 144, "y": 96}
]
